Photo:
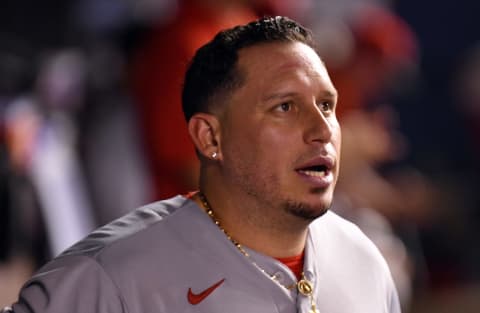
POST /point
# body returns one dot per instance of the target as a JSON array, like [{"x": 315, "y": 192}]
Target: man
[{"x": 258, "y": 236}]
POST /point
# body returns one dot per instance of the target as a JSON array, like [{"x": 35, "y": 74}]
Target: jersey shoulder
[
  {"x": 345, "y": 238},
  {"x": 124, "y": 228}
]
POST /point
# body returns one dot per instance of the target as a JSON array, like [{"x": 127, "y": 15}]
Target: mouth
[
  {"x": 315, "y": 171},
  {"x": 318, "y": 172}
]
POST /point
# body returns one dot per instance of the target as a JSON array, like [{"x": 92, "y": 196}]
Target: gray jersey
[{"x": 169, "y": 257}]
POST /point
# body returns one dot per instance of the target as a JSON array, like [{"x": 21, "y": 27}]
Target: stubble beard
[
  {"x": 265, "y": 194},
  {"x": 304, "y": 211}
]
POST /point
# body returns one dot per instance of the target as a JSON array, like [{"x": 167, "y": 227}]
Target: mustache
[{"x": 317, "y": 154}]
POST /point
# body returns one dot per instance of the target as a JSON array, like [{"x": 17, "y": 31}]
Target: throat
[
  {"x": 272, "y": 236},
  {"x": 295, "y": 264}
]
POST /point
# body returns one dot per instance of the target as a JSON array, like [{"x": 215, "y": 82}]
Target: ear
[{"x": 204, "y": 129}]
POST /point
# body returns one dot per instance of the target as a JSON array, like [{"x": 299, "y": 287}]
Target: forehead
[{"x": 271, "y": 63}]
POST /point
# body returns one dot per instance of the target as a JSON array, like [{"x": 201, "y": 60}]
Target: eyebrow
[
  {"x": 330, "y": 94},
  {"x": 281, "y": 95}
]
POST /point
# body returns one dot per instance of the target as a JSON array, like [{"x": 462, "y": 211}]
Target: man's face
[{"x": 280, "y": 136}]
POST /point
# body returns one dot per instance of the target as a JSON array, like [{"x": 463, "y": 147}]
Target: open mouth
[
  {"x": 315, "y": 171},
  {"x": 318, "y": 171}
]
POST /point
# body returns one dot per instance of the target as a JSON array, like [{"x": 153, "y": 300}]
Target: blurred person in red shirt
[{"x": 156, "y": 78}]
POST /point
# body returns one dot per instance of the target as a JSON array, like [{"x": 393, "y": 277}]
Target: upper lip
[{"x": 327, "y": 161}]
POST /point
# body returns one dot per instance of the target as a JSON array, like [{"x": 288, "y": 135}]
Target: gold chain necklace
[{"x": 304, "y": 286}]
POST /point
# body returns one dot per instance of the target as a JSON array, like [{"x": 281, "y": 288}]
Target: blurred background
[{"x": 91, "y": 125}]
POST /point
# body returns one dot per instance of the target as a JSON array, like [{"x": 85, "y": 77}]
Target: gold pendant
[{"x": 305, "y": 287}]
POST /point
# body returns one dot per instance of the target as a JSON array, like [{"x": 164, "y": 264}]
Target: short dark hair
[{"x": 212, "y": 71}]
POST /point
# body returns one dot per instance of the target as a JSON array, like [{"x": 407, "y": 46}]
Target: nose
[{"x": 319, "y": 126}]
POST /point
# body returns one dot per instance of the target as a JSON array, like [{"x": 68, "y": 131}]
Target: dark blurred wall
[
  {"x": 442, "y": 144},
  {"x": 38, "y": 23}
]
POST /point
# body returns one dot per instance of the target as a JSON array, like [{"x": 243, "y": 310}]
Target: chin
[{"x": 305, "y": 211}]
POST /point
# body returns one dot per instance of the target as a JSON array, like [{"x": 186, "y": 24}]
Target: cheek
[
  {"x": 279, "y": 147},
  {"x": 276, "y": 138},
  {"x": 260, "y": 147},
  {"x": 239, "y": 146}
]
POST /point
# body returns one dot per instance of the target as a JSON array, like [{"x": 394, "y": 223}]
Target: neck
[{"x": 250, "y": 227}]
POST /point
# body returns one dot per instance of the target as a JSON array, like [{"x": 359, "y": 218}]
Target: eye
[
  {"x": 284, "y": 107},
  {"x": 326, "y": 106}
]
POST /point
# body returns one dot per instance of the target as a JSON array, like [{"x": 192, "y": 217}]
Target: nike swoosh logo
[{"x": 195, "y": 299}]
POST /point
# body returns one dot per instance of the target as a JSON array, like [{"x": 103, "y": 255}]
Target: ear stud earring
[{"x": 214, "y": 155}]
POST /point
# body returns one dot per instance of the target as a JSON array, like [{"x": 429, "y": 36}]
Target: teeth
[{"x": 315, "y": 173}]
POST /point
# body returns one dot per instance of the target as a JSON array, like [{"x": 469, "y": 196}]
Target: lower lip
[{"x": 316, "y": 181}]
